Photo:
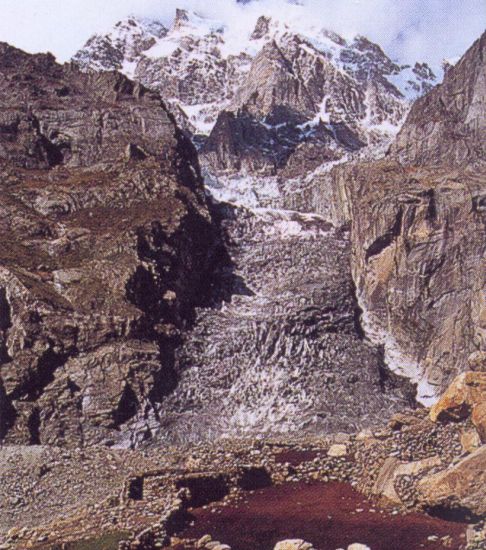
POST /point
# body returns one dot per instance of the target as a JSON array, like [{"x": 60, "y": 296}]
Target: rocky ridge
[{"x": 105, "y": 241}]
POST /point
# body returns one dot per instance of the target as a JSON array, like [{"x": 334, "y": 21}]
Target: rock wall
[
  {"x": 418, "y": 229},
  {"x": 105, "y": 239},
  {"x": 418, "y": 265},
  {"x": 448, "y": 125}
]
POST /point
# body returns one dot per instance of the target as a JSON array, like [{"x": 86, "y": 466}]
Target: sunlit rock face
[{"x": 418, "y": 221}]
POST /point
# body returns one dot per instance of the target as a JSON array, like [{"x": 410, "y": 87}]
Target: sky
[{"x": 408, "y": 30}]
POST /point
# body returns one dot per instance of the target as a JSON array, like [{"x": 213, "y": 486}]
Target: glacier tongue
[{"x": 280, "y": 349}]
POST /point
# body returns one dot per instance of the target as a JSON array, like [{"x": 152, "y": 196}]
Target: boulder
[
  {"x": 460, "y": 488},
  {"x": 337, "y": 450},
  {"x": 470, "y": 440},
  {"x": 478, "y": 418},
  {"x": 465, "y": 396},
  {"x": 392, "y": 468},
  {"x": 201, "y": 543}
]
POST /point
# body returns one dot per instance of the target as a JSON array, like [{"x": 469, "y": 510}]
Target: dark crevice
[
  {"x": 252, "y": 478},
  {"x": 5, "y": 324},
  {"x": 38, "y": 379},
  {"x": 453, "y": 513},
  {"x": 385, "y": 240},
  {"x": 357, "y": 314},
  {"x": 167, "y": 378},
  {"x": 391, "y": 382},
  {"x": 54, "y": 153},
  {"x": 46, "y": 150},
  {"x": 33, "y": 425},
  {"x": 134, "y": 152},
  {"x": 5, "y": 311},
  {"x": 204, "y": 489},
  {"x": 8, "y": 414},
  {"x": 432, "y": 206},
  {"x": 127, "y": 406},
  {"x": 135, "y": 488}
]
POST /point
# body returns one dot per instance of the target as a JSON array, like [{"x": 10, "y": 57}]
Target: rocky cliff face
[
  {"x": 448, "y": 125},
  {"x": 418, "y": 232},
  {"x": 105, "y": 239}
]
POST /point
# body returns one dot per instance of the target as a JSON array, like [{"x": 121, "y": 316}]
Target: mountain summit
[{"x": 203, "y": 66}]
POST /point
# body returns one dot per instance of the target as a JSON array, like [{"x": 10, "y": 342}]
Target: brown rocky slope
[{"x": 105, "y": 239}]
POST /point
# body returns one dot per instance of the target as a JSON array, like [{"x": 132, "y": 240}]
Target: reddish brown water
[
  {"x": 295, "y": 457},
  {"x": 324, "y": 514}
]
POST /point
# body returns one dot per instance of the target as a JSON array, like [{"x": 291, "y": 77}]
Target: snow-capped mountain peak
[
  {"x": 203, "y": 66},
  {"x": 121, "y": 47}
]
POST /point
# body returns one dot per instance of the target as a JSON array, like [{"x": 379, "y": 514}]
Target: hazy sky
[{"x": 408, "y": 30}]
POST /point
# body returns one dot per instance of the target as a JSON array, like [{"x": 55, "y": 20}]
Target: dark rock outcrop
[
  {"x": 282, "y": 143},
  {"x": 104, "y": 242},
  {"x": 295, "y": 94}
]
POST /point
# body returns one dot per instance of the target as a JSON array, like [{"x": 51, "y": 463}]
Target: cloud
[{"x": 408, "y": 30}]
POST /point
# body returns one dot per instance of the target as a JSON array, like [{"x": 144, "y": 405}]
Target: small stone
[
  {"x": 337, "y": 450},
  {"x": 364, "y": 435},
  {"x": 470, "y": 441},
  {"x": 293, "y": 544},
  {"x": 13, "y": 533}
]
